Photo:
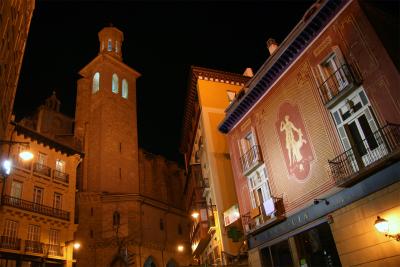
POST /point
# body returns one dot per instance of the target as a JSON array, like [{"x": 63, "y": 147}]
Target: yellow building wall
[
  {"x": 214, "y": 100},
  {"x": 29, "y": 180},
  {"x": 357, "y": 241}
]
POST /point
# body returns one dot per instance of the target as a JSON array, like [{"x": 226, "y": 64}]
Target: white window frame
[
  {"x": 109, "y": 45},
  {"x": 125, "y": 88},
  {"x": 16, "y": 189},
  {"x": 60, "y": 165},
  {"x": 42, "y": 159},
  {"x": 11, "y": 229},
  {"x": 57, "y": 204},
  {"x": 96, "y": 82},
  {"x": 365, "y": 110},
  {"x": 34, "y": 232},
  {"x": 257, "y": 180},
  {"x": 38, "y": 195},
  {"x": 115, "y": 83}
]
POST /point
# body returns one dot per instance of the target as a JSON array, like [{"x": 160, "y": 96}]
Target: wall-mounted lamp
[
  {"x": 317, "y": 200},
  {"x": 195, "y": 214},
  {"x": 77, "y": 245},
  {"x": 180, "y": 248},
  {"x": 382, "y": 226}
]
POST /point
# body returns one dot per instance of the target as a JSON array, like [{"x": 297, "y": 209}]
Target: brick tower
[
  {"x": 128, "y": 199},
  {"x": 106, "y": 119}
]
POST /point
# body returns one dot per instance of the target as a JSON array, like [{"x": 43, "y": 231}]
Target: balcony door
[
  {"x": 356, "y": 125},
  {"x": 332, "y": 70},
  {"x": 16, "y": 189},
  {"x": 247, "y": 150},
  {"x": 259, "y": 192}
]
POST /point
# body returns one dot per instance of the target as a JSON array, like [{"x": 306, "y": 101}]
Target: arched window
[
  {"x": 115, "y": 83},
  {"x": 125, "y": 88},
  {"x": 96, "y": 82},
  {"x": 109, "y": 47}
]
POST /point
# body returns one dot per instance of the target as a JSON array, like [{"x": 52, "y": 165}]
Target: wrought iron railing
[
  {"x": 9, "y": 242},
  {"x": 372, "y": 149},
  {"x": 55, "y": 250},
  {"x": 250, "y": 158},
  {"x": 60, "y": 176},
  {"x": 41, "y": 169},
  {"x": 338, "y": 81},
  {"x": 34, "y": 246},
  {"x": 263, "y": 219},
  {"x": 34, "y": 207}
]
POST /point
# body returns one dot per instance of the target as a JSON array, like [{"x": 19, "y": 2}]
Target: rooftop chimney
[
  {"x": 248, "y": 72},
  {"x": 272, "y": 46}
]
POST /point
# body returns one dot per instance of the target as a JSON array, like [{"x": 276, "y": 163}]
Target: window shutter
[{"x": 344, "y": 138}]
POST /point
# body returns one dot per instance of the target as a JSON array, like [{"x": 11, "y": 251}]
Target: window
[
  {"x": 96, "y": 82},
  {"x": 124, "y": 89},
  {"x": 57, "y": 201},
  {"x": 38, "y": 195},
  {"x": 11, "y": 229},
  {"x": 259, "y": 190},
  {"x": 60, "y": 165},
  {"x": 34, "y": 232},
  {"x": 248, "y": 151},
  {"x": 356, "y": 125},
  {"x": 231, "y": 95},
  {"x": 332, "y": 72},
  {"x": 16, "y": 189},
  {"x": 54, "y": 237},
  {"x": 54, "y": 243},
  {"x": 109, "y": 47},
  {"x": 42, "y": 159},
  {"x": 115, "y": 83}
]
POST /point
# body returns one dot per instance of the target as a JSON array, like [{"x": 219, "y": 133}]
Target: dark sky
[{"x": 161, "y": 41}]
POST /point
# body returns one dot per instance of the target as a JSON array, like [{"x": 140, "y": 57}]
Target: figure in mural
[{"x": 293, "y": 146}]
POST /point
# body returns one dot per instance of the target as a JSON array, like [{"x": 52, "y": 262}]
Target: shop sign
[{"x": 231, "y": 215}]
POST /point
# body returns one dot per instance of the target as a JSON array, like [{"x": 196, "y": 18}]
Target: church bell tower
[{"x": 106, "y": 121}]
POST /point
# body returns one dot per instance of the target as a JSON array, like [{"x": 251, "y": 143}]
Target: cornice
[{"x": 314, "y": 21}]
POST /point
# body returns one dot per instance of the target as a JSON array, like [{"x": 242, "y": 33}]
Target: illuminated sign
[{"x": 231, "y": 215}]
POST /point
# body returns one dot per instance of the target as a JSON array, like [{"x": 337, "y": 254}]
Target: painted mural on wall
[{"x": 294, "y": 141}]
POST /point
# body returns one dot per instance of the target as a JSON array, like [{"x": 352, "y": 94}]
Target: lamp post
[{"x": 6, "y": 164}]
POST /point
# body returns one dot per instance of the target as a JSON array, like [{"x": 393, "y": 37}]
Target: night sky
[{"x": 161, "y": 41}]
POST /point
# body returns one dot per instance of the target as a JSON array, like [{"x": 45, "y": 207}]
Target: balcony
[
  {"x": 34, "y": 247},
  {"x": 8, "y": 242},
  {"x": 339, "y": 85},
  {"x": 55, "y": 250},
  {"x": 250, "y": 160},
  {"x": 369, "y": 155},
  {"x": 60, "y": 177},
  {"x": 258, "y": 218},
  {"x": 41, "y": 169},
  {"x": 34, "y": 207},
  {"x": 199, "y": 237}
]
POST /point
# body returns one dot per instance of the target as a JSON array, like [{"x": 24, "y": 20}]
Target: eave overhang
[
  {"x": 195, "y": 74},
  {"x": 46, "y": 141},
  {"x": 313, "y": 22}
]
